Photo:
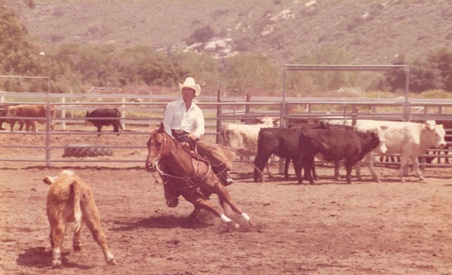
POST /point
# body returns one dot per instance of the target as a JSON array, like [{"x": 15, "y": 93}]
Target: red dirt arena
[{"x": 327, "y": 228}]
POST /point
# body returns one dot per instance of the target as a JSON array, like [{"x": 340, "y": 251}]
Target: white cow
[
  {"x": 242, "y": 138},
  {"x": 408, "y": 139}
]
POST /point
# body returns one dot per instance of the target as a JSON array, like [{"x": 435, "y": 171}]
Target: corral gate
[{"x": 300, "y": 67}]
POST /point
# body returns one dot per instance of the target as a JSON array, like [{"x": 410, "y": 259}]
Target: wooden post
[
  {"x": 63, "y": 113},
  {"x": 123, "y": 114},
  {"x": 218, "y": 116},
  {"x": 72, "y": 101},
  {"x": 247, "y": 107},
  {"x": 150, "y": 108}
]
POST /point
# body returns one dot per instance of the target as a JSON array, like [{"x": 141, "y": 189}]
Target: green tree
[
  {"x": 18, "y": 56},
  {"x": 442, "y": 61},
  {"x": 248, "y": 71},
  {"x": 202, "y": 66},
  {"x": 330, "y": 80},
  {"x": 143, "y": 64}
]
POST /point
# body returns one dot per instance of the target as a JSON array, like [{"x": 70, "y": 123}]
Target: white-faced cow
[
  {"x": 110, "y": 117},
  {"x": 408, "y": 139},
  {"x": 25, "y": 113},
  {"x": 242, "y": 138},
  {"x": 70, "y": 201}
]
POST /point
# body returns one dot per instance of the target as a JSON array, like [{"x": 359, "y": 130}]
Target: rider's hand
[{"x": 192, "y": 137}]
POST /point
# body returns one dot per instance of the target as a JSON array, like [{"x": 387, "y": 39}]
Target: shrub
[
  {"x": 439, "y": 93},
  {"x": 202, "y": 35}
]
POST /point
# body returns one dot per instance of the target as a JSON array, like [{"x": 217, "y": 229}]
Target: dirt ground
[{"x": 327, "y": 228}]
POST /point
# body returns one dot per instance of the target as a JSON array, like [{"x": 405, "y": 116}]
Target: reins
[{"x": 186, "y": 178}]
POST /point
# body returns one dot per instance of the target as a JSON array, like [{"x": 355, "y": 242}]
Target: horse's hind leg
[
  {"x": 208, "y": 206},
  {"x": 194, "y": 213},
  {"x": 224, "y": 197}
]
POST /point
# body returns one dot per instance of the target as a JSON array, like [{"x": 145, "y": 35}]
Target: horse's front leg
[
  {"x": 202, "y": 203},
  {"x": 225, "y": 206}
]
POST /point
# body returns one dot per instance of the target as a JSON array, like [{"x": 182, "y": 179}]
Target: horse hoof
[
  {"x": 233, "y": 225},
  {"x": 251, "y": 223}
]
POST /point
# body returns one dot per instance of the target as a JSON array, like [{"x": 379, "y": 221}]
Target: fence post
[
  {"x": 150, "y": 108},
  {"x": 218, "y": 116},
  {"x": 48, "y": 120},
  {"x": 72, "y": 101},
  {"x": 123, "y": 113},
  {"x": 63, "y": 114}
]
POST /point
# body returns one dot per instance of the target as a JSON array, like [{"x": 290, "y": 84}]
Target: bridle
[{"x": 186, "y": 178}]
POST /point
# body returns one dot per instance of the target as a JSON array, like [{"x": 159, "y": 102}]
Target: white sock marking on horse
[
  {"x": 246, "y": 217},
  {"x": 225, "y": 219},
  {"x": 56, "y": 254}
]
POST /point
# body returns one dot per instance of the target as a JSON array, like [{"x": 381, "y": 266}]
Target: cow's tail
[{"x": 74, "y": 193}]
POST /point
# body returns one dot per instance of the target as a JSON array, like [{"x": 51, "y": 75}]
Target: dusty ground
[{"x": 327, "y": 228}]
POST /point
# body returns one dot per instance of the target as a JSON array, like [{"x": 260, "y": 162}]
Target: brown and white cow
[
  {"x": 14, "y": 113},
  {"x": 242, "y": 138},
  {"x": 70, "y": 201}
]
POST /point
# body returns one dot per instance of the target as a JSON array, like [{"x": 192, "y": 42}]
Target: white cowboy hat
[{"x": 190, "y": 83}]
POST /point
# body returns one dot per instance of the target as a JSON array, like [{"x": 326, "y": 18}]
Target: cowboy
[{"x": 180, "y": 119}]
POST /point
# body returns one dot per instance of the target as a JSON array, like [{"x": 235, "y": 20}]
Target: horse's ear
[{"x": 162, "y": 128}]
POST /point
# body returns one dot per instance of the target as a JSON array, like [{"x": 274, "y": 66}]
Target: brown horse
[{"x": 187, "y": 176}]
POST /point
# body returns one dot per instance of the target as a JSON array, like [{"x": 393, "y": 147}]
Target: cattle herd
[
  {"x": 70, "y": 199},
  {"x": 327, "y": 141},
  {"x": 30, "y": 114}
]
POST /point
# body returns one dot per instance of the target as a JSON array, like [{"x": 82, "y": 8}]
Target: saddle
[{"x": 198, "y": 157}]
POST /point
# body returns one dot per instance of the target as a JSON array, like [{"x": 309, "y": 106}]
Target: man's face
[{"x": 188, "y": 93}]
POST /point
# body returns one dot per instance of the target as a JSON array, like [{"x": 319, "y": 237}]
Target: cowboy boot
[{"x": 225, "y": 178}]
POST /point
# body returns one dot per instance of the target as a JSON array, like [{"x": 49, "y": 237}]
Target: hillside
[{"x": 371, "y": 31}]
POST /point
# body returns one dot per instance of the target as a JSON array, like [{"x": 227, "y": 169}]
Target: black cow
[
  {"x": 112, "y": 115},
  {"x": 334, "y": 145},
  {"x": 321, "y": 125},
  {"x": 283, "y": 143},
  {"x": 279, "y": 141}
]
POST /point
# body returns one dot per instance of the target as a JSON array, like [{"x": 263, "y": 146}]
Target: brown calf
[
  {"x": 71, "y": 201},
  {"x": 18, "y": 111}
]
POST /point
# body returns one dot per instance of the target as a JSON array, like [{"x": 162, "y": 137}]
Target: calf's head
[
  {"x": 381, "y": 148},
  {"x": 88, "y": 114},
  {"x": 435, "y": 135},
  {"x": 374, "y": 141}
]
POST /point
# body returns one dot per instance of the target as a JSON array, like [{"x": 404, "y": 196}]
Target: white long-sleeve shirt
[{"x": 177, "y": 118}]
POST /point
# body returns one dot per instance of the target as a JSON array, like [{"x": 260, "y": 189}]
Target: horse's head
[{"x": 156, "y": 144}]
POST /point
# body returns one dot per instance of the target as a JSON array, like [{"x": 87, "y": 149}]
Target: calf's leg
[
  {"x": 56, "y": 236},
  {"x": 92, "y": 220},
  {"x": 349, "y": 168},
  {"x": 259, "y": 161},
  {"x": 76, "y": 240},
  {"x": 416, "y": 169}
]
